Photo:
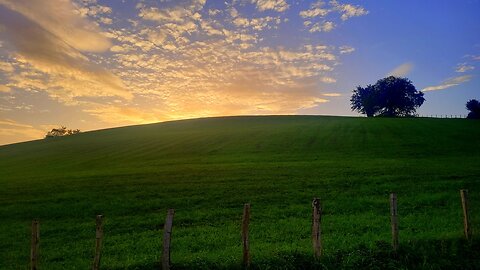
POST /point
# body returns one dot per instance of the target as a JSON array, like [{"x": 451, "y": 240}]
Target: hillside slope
[
  {"x": 244, "y": 139},
  {"x": 207, "y": 168}
]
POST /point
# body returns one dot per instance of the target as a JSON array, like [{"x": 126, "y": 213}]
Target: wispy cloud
[
  {"x": 332, "y": 94},
  {"x": 346, "y": 49},
  {"x": 402, "y": 70},
  {"x": 464, "y": 67},
  {"x": 12, "y": 131},
  {"x": 43, "y": 44},
  {"x": 60, "y": 19},
  {"x": 448, "y": 83}
]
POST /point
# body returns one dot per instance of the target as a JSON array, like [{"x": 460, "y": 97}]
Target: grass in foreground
[{"x": 207, "y": 168}]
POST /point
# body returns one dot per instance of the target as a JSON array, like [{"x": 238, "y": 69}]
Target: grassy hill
[{"x": 208, "y": 168}]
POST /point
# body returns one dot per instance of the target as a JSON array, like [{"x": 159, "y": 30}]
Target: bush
[
  {"x": 60, "y": 132},
  {"x": 473, "y": 106}
]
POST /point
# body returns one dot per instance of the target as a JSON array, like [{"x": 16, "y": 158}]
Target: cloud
[
  {"x": 219, "y": 77},
  {"x": 257, "y": 24},
  {"x": 59, "y": 18},
  {"x": 332, "y": 94},
  {"x": 6, "y": 67},
  {"x": 181, "y": 12},
  {"x": 402, "y": 70},
  {"x": 346, "y": 49},
  {"x": 12, "y": 132},
  {"x": 314, "y": 12},
  {"x": 348, "y": 10},
  {"x": 322, "y": 27},
  {"x": 328, "y": 80},
  {"x": 94, "y": 10},
  {"x": 320, "y": 10},
  {"x": 5, "y": 89},
  {"x": 464, "y": 67},
  {"x": 67, "y": 73},
  {"x": 276, "y": 5},
  {"x": 174, "y": 60},
  {"x": 105, "y": 20},
  {"x": 448, "y": 83}
]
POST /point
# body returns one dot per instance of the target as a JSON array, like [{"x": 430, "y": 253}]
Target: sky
[{"x": 94, "y": 64}]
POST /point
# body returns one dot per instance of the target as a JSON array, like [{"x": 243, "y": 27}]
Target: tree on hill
[
  {"x": 364, "y": 100},
  {"x": 473, "y": 106},
  {"x": 391, "y": 96},
  {"x": 62, "y": 131}
]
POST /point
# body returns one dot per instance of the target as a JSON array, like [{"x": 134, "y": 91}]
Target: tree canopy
[
  {"x": 60, "y": 132},
  {"x": 391, "y": 96},
  {"x": 473, "y": 106}
]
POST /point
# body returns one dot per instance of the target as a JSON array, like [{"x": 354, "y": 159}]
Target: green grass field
[{"x": 208, "y": 168}]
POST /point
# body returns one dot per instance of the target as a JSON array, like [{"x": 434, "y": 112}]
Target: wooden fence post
[
  {"x": 34, "y": 245},
  {"x": 98, "y": 242},
  {"x": 246, "y": 244},
  {"x": 466, "y": 218},
  {"x": 394, "y": 220},
  {"x": 167, "y": 236},
  {"x": 316, "y": 228}
]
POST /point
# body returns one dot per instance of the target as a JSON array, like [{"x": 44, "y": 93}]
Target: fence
[
  {"x": 456, "y": 116},
  {"x": 316, "y": 232}
]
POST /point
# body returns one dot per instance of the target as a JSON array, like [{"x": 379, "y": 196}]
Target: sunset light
[{"x": 93, "y": 64}]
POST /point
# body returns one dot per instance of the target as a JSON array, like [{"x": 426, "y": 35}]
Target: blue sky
[{"x": 92, "y": 64}]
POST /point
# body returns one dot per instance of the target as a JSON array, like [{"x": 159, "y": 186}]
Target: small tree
[
  {"x": 390, "y": 96},
  {"x": 62, "y": 131},
  {"x": 473, "y": 106}
]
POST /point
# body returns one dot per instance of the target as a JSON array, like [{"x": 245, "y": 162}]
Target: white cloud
[
  {"x": 276, "y": 5},
  {"x": 320, "y": 10},
  {"x": 464, "y": 67},
  {"x": 448, "y": 83},
  {"x": 257, "y": 24},
  {"x": 346, "y": 49},
  {"x": 106, "y": 20},
  {"x": 322, "y": 27},
  {"x": 177, "y": 13},
  {"x": 314, "y": 12},
  {"x": 348, "y": 10},
  {"x": 402, "y": 70}
]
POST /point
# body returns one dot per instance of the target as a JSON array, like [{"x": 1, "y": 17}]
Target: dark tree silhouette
[
  {"x": 473, "y": 106},
  {"x": 364, "y": 100},
  {"x": 390, "y": 96}
]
